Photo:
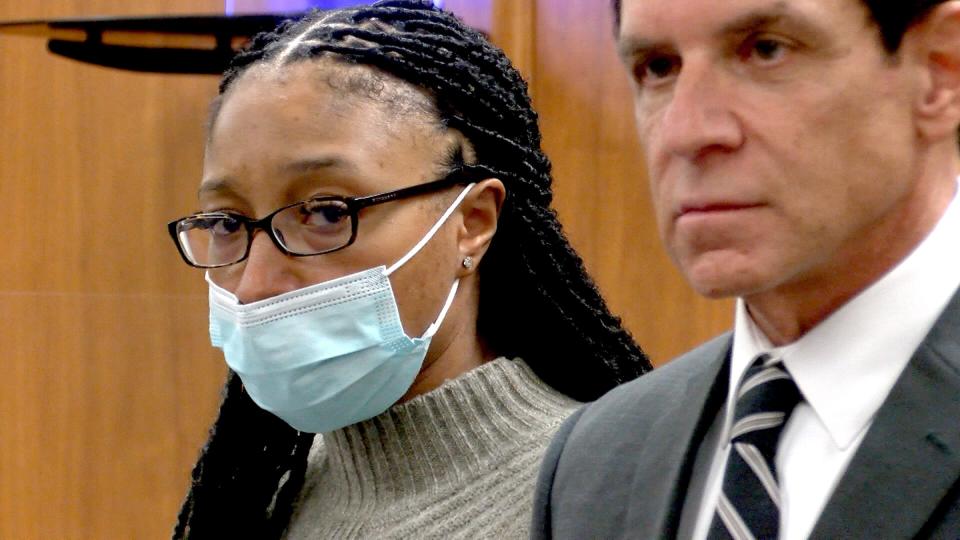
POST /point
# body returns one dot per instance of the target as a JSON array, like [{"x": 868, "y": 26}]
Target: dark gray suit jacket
[{"x": 620, "y": 467}]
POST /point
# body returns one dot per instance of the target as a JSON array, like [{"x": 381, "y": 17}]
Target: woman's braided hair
[{"x": 536, "y": 300}]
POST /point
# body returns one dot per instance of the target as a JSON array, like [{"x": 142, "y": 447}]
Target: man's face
[{"x": 779, "y": 135}]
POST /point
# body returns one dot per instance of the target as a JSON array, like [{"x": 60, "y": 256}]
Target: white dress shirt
[{"x": 844, "y": 367}]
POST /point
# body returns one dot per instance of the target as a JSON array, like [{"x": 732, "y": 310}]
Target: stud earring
[{"x": 468, "y": 262}]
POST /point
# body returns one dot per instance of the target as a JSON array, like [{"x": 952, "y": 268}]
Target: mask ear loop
[
  {"x": 432, "y": 329},
  {"x": 433, "y": 230}
]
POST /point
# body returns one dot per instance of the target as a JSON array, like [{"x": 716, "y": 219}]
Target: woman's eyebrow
[
  {"x": 219, "y": 186},
  {"x": 224, "y": 185},
  {"x": 318, "y": 163}
]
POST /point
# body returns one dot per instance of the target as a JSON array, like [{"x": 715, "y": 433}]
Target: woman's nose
[{"x": 267, "y": 272}]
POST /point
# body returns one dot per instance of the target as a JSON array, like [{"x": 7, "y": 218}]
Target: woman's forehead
[
  {"x": 268, "y": 122},
  {"x": 309, "y": 89},
  {"x": 350, "y": 81}
]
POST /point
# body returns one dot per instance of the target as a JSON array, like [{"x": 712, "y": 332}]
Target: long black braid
[{"x": 536, "y": 300}]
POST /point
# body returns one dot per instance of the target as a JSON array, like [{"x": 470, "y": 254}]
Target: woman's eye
[
  {"x": 218, "y": 225},
  {"x": 227, "y": 226},
  {"x": 323, "y": 213}
]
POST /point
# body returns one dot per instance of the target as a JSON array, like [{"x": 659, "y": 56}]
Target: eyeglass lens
[{"x": 309, "y": 228}]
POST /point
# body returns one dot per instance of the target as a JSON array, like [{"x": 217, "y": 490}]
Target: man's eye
[
  {"x": 767, "y": 49},
  {"x": 656, "y": 69},
  {"x": 764, "y": 50}
]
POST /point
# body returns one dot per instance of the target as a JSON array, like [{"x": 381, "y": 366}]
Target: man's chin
[{"x": 722, "y": 285}]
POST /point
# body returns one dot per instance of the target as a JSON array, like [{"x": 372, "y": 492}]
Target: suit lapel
[
  {"x": 910, "y": 457},
  {"x": 664, "y": 468}
]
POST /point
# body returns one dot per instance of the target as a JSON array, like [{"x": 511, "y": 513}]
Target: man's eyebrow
[
  {"x": 631, "y": 47},
  {"x": 778, "y": 13},
  {"x": 758, "y": 18}
]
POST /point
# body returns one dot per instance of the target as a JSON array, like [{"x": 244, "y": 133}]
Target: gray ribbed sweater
[{"x": 457, "y": 462}]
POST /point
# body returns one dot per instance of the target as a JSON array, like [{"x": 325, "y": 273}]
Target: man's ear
[
  {"x": 480, "y": 210},
  {"x": 936, "y": 38}
]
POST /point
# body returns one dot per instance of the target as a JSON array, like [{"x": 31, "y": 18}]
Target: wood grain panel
[
  {"x": 110, "y": 383},
  {"x": 101, "y": 412},
  {"x": 601, "y": 190},
  {"x": 514, "y": 29},
  {"x": 477, "y": 13}
]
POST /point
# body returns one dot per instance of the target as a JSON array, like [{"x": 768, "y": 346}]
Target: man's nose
[{"x": 699, "y": 117}]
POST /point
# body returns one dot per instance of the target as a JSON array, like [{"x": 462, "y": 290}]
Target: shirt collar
[{"x": 845, "y": 372}]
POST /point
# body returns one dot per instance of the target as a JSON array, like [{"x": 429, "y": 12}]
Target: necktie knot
[{"x": 766, "y": 397}]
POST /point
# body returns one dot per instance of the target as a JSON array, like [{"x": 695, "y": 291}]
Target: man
[{"x": 802, "y": 158}]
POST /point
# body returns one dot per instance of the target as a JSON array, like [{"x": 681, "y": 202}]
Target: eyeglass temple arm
[{"x": 462, "y": 175}]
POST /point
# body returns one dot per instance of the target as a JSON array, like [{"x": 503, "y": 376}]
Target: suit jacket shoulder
[
  {"x": 614, "y": 468},
  {"x": 620, "y": 466},
  {"x": 904, "y": 480}
]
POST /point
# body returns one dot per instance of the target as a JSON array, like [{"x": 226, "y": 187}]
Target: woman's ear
[
  {"x": 936, "y": 39},
  {"x": 480, "y": 210}
]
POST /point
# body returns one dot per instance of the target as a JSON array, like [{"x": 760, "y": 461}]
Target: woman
[{"x": 413, "y": 297}]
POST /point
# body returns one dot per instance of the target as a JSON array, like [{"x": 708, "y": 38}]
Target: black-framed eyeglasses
[{"x": 312, "y": 227}]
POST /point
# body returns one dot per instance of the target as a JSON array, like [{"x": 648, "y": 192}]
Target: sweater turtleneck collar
[{"x": 443, "y": 437}]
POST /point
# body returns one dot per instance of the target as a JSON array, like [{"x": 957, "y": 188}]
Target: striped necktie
[{"x": 749, "y": 504}]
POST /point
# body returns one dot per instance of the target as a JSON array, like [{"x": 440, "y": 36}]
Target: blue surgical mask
[{"x": 329, "y": 355}]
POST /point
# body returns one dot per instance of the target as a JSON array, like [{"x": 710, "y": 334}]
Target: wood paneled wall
[{"x": 109, "y": 382}]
